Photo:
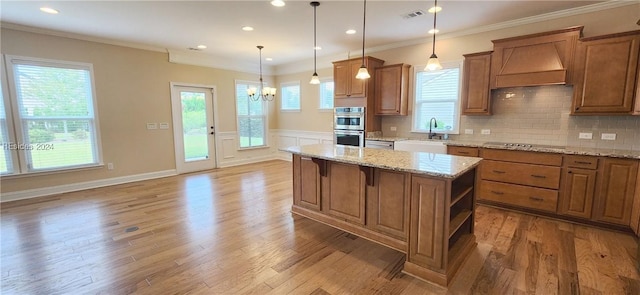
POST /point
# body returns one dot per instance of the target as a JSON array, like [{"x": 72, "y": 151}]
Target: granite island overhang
[{"x": 421, "y": 204}]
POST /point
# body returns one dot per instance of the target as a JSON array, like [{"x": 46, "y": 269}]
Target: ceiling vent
[
  {"x": 194, "y": 49},
  {"x": 413, "y": 14}
]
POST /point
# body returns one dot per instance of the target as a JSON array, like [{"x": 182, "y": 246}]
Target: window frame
[
  {"x": 322, "y": 81},
  {"x": 17, "y": 131},
  {"x": 265, "y": 115},
  {"x": 414, "y": 116},
  {"x": 289, "y": 84}
]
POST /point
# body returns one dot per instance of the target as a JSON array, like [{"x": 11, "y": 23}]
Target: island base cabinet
[
  {"x": 427, "y": 242},
  {"x": 307, "y": 187},
  {"x": 344, "y": 193},
  {"x": 388, "y": 203}
]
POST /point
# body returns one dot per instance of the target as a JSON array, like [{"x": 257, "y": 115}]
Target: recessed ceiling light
[
  {"x": 350, "y": 32},
  {"x": 49, "y": 10},
  {"x": 247, "y": 28},
  {"x": 317, "y": 48},
  {"x": 435, "y": 9},
  {"x": 277, "y": 3},
  {"x": 202, "y": 46},
  {"x": 268, "y": 59},
  {"x": 434, "y": 31}
]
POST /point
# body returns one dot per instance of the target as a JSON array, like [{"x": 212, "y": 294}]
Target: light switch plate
[
  {"x": 164, "y": 125},
  {"x": 468, "y": 131},
  {"x": 585, "y": 135},
  {"x": 608, "y": 136},
  {"x": 151, "y": 126},
  {"x": 393, "y": 128},
  {"x": 485, "y": 131}
]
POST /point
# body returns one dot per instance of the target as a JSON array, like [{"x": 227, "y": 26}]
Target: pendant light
[
  {"x": 433, "y": 63},
  {"x": 362, "y": 72},
  {"x": 264, "y": 93},
  {"x": 314, "y": 78}
]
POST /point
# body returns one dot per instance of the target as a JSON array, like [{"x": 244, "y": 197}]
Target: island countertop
[{"x": 436, "y": 165}]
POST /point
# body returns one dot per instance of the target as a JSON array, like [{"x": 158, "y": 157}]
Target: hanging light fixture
[
  {"x": 314, "y": 78},
  {"x": 362, "y": 72},
  {"x": 264, "y": 93},
  {"x": 433, "y": 63}
]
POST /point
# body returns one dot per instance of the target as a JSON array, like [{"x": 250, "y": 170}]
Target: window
[
  {"x": 6, "y": 162},
  {"x": 326, "y": 94},
  {"x": 55, "y": 123},
  {"x": 251, "y": 115},
  {"x": 437, "y": 96},
  {"x": 290, "y": 94}
]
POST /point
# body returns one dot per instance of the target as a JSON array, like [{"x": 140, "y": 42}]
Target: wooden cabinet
[
  {"x": 345, "y": 194},
  {"x": 352, "y": 92},
  {"x": 391, "y": 89},
  {"x": 307, "y": 187},
  {"x": 528, "y": 180},
  {"x": 578, "y": 186},
  {"x": 532, "y": 60},
  {"x": 441, "y": 226},
  {"x": 476, "y": 95},
  {"x": 388, "y": 203},
  {"x": 606, "y": 75},
  {"x": 617, "y": 184},
  {"x": 344, "y": 77},
  {"x": 463, "y": 151}
]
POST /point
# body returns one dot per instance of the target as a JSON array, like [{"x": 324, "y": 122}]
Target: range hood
[{"x": 534, "y": 60}]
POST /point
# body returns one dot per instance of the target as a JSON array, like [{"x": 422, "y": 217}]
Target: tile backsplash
[{"x": 537, "y": 115}]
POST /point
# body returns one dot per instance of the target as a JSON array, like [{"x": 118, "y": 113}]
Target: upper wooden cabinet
[
  {"x": 532, "y": 60},
  {"x": 344, "y": 77},
  {"x": 476, "y": 95},
  {"x": 391, "y": 88},
  {"x": 606, "y": 75}
]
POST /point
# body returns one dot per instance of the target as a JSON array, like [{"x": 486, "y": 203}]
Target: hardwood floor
[{"x": 229, "y": 231}]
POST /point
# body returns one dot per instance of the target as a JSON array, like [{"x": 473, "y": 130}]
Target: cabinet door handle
[
  {"x": 498, "y": 171},
  {"x": 583, "y": 162},
  {"x": 497, "y": 193},
  {"x": 570, "y": 172},
  {"x": 538, "y": 176},
  {"x": 537, "y": 199}
]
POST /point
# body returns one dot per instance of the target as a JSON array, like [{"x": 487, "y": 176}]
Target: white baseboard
[
  {"x": 46, "y": 191},
  {"x": 244, "y": 161}
]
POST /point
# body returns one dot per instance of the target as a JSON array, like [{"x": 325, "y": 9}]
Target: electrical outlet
[
  {"x": 151, "y": 126},
  {"x": 468, "y": 131},
  {"x": 110, "y": 166},
  {"x": 585, "y": 135},
  {"x": 393, "y": 128},
  {"x": 608, "y": 136},
  {"x": 485, "y": 131}
]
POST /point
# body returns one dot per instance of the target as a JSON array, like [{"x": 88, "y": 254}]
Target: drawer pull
[
  {"x": 497, "y": 193},
  {"x": 498, "y": 171},
  {"x": 463, "y": 153},
  {"x": 583, "y": 162},
  {"x": 538, "y": 176},
  {"x": 537, "y": 199}
]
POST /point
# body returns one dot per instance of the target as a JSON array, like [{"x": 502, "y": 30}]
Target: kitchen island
[{"x": 421, "y": 204}]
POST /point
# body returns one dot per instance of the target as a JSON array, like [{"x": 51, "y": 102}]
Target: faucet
[{"x": 435, "y": 125}]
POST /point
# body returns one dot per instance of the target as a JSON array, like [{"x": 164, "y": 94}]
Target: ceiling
[{"x": 285, "y": 32}]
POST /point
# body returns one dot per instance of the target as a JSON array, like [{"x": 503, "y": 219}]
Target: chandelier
[{"x": 264, "y": 93}]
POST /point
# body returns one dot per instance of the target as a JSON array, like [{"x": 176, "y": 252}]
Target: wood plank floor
[{"x": 229, "y": 231}]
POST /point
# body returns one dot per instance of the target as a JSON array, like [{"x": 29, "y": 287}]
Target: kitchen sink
[{"x": 427, "y": 146}]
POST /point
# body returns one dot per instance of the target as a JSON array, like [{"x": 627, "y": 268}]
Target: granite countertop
[
  {"x": 436, "y": 165},
  {"x": 568, "y": 150}
]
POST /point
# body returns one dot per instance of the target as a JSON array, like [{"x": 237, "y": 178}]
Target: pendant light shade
[
  {"x": 433, "y": 63},
  {"x": 362, "y": 72},
  {"x": 314, "y": 78}
]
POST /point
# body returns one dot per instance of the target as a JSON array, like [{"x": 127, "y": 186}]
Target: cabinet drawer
[
  {"x": 522, "y": 157},
  {"x": 462, "y": 151},
  {"x": 583, "y": 162},
  {"x": 518, "y": 195},
  {"x": 517, "y": 173}
]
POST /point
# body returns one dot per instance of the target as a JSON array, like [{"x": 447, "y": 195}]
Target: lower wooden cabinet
[
  {"x": 617, "y": 185},
  {"x": 577, "y": 192},
  {"x": 426, "y": 243},
  {"x": 388, "y": 203},
  {"x": 306, "y": 188},
  {"x": 344, "y": 196},
  {"x": 463, "y": 151}
]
